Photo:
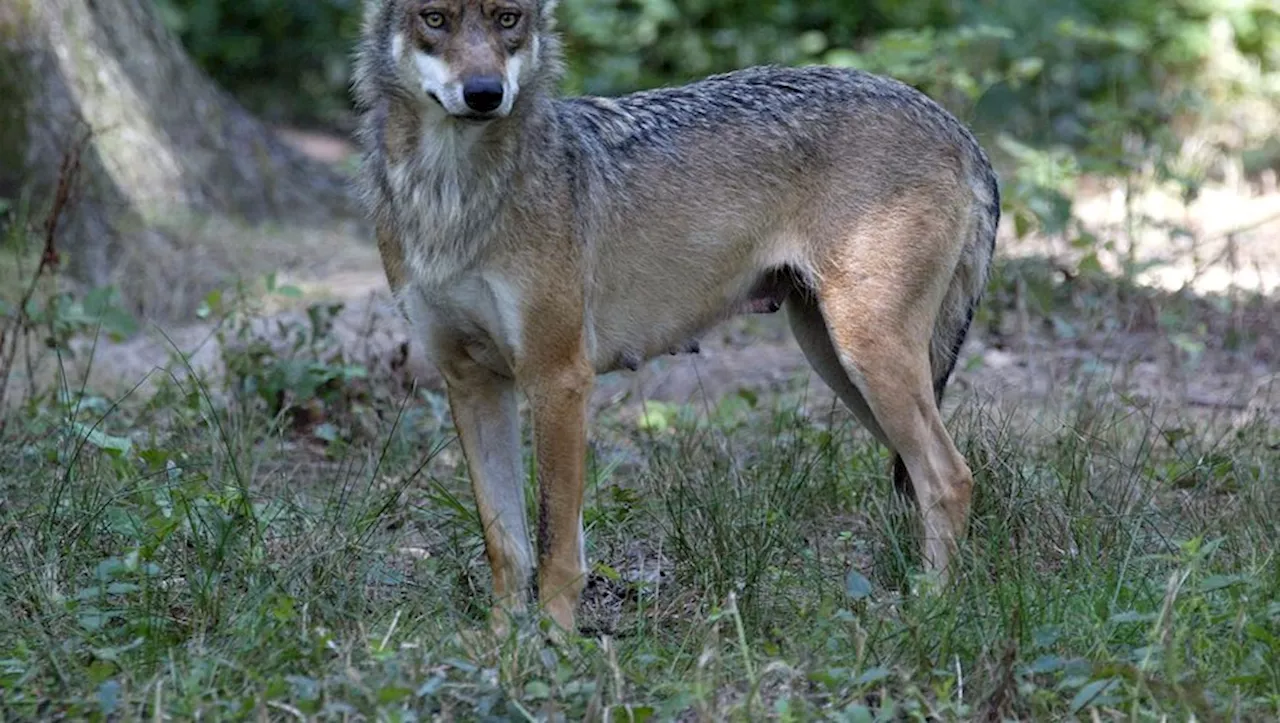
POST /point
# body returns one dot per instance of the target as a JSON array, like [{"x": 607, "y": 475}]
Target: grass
[{"x": 238, "y": 556}]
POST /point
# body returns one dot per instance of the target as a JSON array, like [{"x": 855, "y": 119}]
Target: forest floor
[{"x": 288, "y": 532}]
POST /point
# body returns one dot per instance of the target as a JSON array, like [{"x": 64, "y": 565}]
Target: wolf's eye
[
  {"x": 433, "y": 19},
  {"x": 508, "y": 19}
]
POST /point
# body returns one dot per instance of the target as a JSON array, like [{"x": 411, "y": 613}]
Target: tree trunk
[{"x": 170, "y": 156}]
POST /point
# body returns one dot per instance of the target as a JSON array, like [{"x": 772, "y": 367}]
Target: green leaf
[
  {"x": 1046, "y": 664},
  {"x": 93, "y": 619},
  {"x": 109, "y": 696},
  {"x": 114, "y": 654},
  {"x": 109, "y": 568},
  {"x": 1132, "y": 616},
  {"x": 393, "y": 694},
  {"x": 631, "y": 713},
  {"x": 102, "y": 306},
  {"x": 857, "y": 585},
  {"x": 116, "y": 446},
  {"x": 1219, "y": 582},
  {"x": 303, "y": 687},
  {"x": 1090, "y": 264},
  {"x": 812, "y": 42},
  {"x": 607, "y": 572},
  {"x": 1022, "y": 224},
  {"x": 211, "y": 302},
  {"x": 872, "y": 675},
  {"x": 537, "y": 690},
  {"x": 1046, "y": 635},
  {"x": 657, "y": 416},
  {"x": 432, "y": 686},
  {"x": 1091, "y": 693},
  {"x": 858, "y": 713},
  {"x": 1188, "y": 343},
  {"x": 326, "y": 432}
]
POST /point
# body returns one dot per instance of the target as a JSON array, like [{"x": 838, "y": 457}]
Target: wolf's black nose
[{"x": 482, "y": 94}]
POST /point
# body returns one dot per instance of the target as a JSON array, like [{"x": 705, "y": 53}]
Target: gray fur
[{"x": 574, "y": 236}]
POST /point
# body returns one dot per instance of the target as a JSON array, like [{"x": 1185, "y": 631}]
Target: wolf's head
[{"x": 470, "y": 58}]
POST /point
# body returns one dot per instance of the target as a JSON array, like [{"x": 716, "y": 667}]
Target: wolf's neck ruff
[{"x": 448, "y": 186}]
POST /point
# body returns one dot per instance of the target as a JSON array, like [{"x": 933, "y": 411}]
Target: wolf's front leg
[
  {"x": 558, "y": 399},
  {"x": 485, "y": 412}
]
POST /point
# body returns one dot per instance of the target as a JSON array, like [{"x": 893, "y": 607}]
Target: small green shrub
[{"x": 286, "y": 59}]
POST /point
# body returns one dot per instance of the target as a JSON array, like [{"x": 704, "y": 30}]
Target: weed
[{"x": 32, "y": 308}]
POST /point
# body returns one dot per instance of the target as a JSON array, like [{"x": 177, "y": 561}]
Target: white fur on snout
[
  {"x": 512, "y": 89},
  {"x": 437, "y": 79}
]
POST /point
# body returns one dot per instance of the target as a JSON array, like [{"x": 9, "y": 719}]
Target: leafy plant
[{"x": 291, "y": 367}]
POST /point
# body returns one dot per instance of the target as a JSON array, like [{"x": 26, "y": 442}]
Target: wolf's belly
[{"x": 625, "y": 337}]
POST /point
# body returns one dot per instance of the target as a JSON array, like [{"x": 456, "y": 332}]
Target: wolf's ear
[
  {"x": 547, "y": 9},
  {"x": 373, "y": 10}
]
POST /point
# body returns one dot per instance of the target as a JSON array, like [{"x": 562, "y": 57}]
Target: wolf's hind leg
[
  {"x": 878, "y": 315},
  {"x": 811, "y": 335},
  {"x": 895, "y": 381}
]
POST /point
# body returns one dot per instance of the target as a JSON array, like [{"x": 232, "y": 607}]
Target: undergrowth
[
  {"x": 295, "y": 539},
  {"x": 756, "y": 565}
]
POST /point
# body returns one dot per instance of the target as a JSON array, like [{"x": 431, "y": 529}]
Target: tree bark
[{"x": 169, "y": 156}]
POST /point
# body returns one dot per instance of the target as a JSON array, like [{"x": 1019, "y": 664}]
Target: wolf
[{"x": 536, "y": 241}]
